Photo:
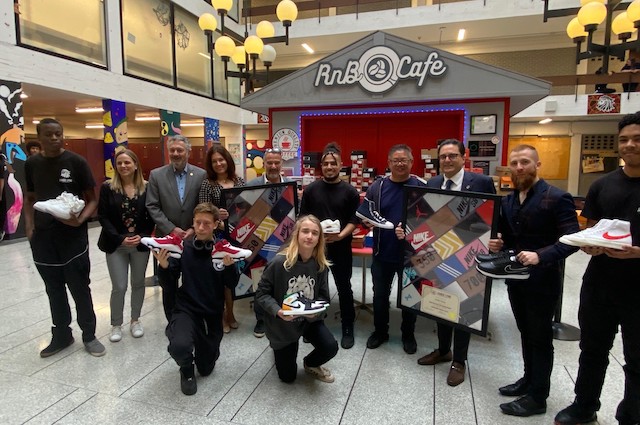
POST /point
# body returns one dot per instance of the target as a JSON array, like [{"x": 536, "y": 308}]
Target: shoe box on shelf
[
  {"x": 359, "y": 234},
  {"x": 345, "y": 174},
  {"x": 430, "y": 158},
  {"x": 505, "y": 184},
  {"x": 358, "y": 165},
  {"x": 310, "y": 166}
]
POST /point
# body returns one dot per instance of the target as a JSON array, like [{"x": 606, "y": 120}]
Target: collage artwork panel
[
  {"x": 261, "y": 218},
  {"x": 444, "y": 233}
]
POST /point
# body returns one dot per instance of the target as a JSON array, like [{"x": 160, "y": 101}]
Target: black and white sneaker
[
  {"x": 493, "y": 256},
  {"x": 367, "y": 212},
  {"x": 297, "y": 304},
  {"x": 504, "y": 268}
]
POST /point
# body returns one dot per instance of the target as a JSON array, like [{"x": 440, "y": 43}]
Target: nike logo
[
  {"x": 510, "y": 269},
  {"x": 243, "y": 231},
  {"x": 606, "y": 235}
]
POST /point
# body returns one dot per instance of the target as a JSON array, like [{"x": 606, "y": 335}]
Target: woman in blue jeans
[
  {"x": 301, "y": 268},
  {"x": 124, "y": 219}
]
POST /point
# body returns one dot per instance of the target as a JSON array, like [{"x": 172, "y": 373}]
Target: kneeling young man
[{"x": 196, "y": 321}]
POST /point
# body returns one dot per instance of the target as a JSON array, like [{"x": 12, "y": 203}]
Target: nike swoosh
[
  {"x": 511, "y": 269},
  {"x": 606, "y": 235}
]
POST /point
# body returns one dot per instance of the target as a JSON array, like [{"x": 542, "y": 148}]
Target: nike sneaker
[
  {"x": 171, "y": 243},
  {"x": 223, "y": 248},
  {"x": 297, "y": 304},
  {"x": 506, "y": 267},
  {"x": 63, "y": 206},
  {"x": 330, "y": 226},
  {"x": 367, "y": 213},
  {"x": 606, "y": 233},
  {"x": 492, "y": 256}
]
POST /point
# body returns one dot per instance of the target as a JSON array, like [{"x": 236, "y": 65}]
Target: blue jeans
[{"x": 382, "y": 274}]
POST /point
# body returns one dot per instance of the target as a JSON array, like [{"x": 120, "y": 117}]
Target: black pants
[
  {"x": 195, "y": 339},
  {"x": 533, "y": 303},
  {"x": 325, "y": 348},
  {"x": 602, "y": 309},
  {"x": 460, "y": 342},
  {"x": 169, "y": 291},
  {"x": 342, "y": 262},
  {"x": 382, "y": 274},
  {"x": 63, "y": 261}
]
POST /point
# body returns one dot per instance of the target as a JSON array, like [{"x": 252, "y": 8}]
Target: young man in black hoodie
[{"x": 196, "y": 321}]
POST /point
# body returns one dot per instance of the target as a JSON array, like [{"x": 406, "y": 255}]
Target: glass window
[
  {"x": 67, "y": 27},
  {"x": 146, "y": 30},
  {"x": 193, "y": 65}
]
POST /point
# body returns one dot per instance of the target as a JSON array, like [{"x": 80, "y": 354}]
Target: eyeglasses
[
  {"x": 401, "y": 161},
  {"x": 273, "y": 150},
  {"x": 450, "y": 156}
]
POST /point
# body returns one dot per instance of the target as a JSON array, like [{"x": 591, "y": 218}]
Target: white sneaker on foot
[
  {"x": 136, "y": 329},
  {"x": 116, "y": 334},
  {"x": 321, "y": 373}
]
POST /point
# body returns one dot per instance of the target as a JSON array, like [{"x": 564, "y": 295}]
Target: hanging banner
[
  {"x": 603, "y": 104},
  {"x": 444, "y": 232},
  {"x": 116, "y": 133}
]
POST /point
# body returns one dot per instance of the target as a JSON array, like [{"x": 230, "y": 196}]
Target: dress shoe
[
  {"x": 377, "y": 339},
  {"x": 435, "y": 357},
  {"x": 347, "y": 340},
  {"x": 409, "y": 344},
  {"x": 574, "y": 415},
  {"x": 519, "y": 388},
  {"x": 456, "y": 374},
  {"x": 524, "y": 406}
]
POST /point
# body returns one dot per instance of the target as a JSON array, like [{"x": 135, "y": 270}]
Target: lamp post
[
  {"x": 590, "y": 15},
  {"x": 244, "y": 50}
]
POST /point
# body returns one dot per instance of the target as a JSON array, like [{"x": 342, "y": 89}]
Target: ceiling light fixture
[
  {"x": 461, "y": 34},
  {"x": 94, "y": 126},
  {"x": 192, "y": 124},
  {"x": 36, "y": 121},
  {"x": 90, "y": 109},
  {"x": 147, "y": 118},
  {"x": 307, "y": 48},
  {"x": 23, "y": 95},
  {"x": 545, "y": 121}
]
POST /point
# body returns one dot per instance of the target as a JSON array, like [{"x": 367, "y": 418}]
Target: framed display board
[
  {"x": 482, "y": 148},
  {"x": 444, "y": 233},
  {"x": 483, "y": 124},
  {"x": 261, "y": 218}
]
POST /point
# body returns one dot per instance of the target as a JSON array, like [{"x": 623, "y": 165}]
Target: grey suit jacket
[
  {"x": 260, "y": 181},
  {"x": 471, "y": 182},
  {"x": 163, "y": 200}
]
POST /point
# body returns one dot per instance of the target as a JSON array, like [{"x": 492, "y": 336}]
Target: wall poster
[
  {"x": 261, "y": 218},
  {"x": 444, "y": 232}
]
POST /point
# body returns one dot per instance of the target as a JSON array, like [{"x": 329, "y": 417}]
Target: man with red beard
[{"x": 532, "y": 219}]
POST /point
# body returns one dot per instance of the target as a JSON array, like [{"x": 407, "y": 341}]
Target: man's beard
[
  {"x": 331, "y": 179},
  {"x": 524, "y": 181}
]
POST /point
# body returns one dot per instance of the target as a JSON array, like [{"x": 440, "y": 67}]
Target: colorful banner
[
  {"x": 261, "y": 218},
  {"x": 116, "y": 133},
  {"x": 169, "y": 126},
  {"x": 444, "y": 233},
  {"x": 211, "y": 132}
]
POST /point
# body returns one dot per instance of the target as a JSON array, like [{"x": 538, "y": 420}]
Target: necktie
[{"x": 448, "y": 184}]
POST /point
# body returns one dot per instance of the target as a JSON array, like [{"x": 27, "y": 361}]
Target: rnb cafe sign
[{"x": 379, "y": 69}]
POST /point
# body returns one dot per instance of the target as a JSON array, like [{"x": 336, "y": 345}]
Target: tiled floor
[{"x": 137, "y": 382}]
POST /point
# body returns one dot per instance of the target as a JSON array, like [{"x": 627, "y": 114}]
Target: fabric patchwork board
[
  {"x": 261, "y": 219},
  {"x": 444, "y": 232}
]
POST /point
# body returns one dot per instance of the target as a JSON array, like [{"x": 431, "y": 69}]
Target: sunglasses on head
[{"x": 273, "y": 150}]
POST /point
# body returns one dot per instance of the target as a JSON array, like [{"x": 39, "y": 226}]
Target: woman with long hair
[
  {"x": 125, "y": 220},
  {"x": 300, "y": 271},
  {"x": 221, "y": 174}
]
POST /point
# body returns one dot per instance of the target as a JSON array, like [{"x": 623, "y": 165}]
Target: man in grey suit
[
  {"x": 172, "y": 194},
  {"x": 273, "y": 168},
  {"x": 451, "y": 155}
]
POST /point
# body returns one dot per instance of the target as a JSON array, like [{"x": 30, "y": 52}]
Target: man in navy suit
[{"x": 451, "y": 155}]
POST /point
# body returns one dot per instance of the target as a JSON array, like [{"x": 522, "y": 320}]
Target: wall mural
[
  {"x": 255, "y": 158},
  {"x": 116, "y": 133}
]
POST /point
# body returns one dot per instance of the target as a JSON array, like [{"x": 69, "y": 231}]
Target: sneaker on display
[
  {"x": 330, "y": 226},
  {"x": 367, "y": 212},
  {"x": 298, "y": 305},
  {"x": 171, "y": 243},
  {"x": 223, "y": 248},
  {"x": 63, "y": 206},
  {"x": 506, "y": 267},
  {"x": 606, "y": 233},
  {"x": 492, "y": 256},
  {"x": 321, "y": 373}
]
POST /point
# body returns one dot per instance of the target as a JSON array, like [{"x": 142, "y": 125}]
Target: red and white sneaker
[
  {"x": 171, "y": 243},
  {"x": 606, "y": 233},
  {"x": 224, "y": 248}
]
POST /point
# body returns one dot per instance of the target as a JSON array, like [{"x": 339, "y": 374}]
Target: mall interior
[{"x": 132, "y": 72}]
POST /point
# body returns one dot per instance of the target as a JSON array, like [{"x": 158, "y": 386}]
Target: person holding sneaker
[
  {"x": 301, "y": 267},
  {"x": 610, "y": 294},
  {"x": 334, "y": 199},
  {"x": 195, "y": 329},
  {"x": 272, "y": 161},
  {"x": 387, "y": 196},
  {"x": 172, "y": 194},
  {"x": 60, "y": 247},
  {"x": 125, "y": 220},
  {"x": 532, "y": 219}
]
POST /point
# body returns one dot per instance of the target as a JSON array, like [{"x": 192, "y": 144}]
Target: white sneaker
[
  {"x": 116, "y": 334},
  {"x": 136, "y": 329},
  {"x": 321, "y": 373},
  {"x": 330, "y": 226},
  {"x": 606, "y": 233},
  {"x": 63, "y": 206},
  {"x": 297, "y": 304}
]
